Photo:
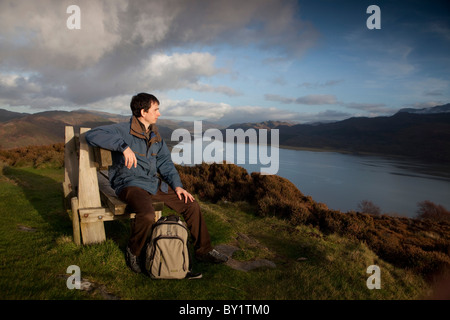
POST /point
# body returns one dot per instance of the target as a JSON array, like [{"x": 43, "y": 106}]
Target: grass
[{"x": 36, "y": 249}]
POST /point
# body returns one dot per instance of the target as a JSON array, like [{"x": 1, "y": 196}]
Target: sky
[{"x": 227, "y": 61}]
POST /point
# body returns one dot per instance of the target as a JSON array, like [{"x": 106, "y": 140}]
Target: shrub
[
  {"x": 35, "y": 156},
  {"x": 277, "y": 196},
  {"x": 429, "y": 210},
  {"x": 216, "y": 182},
  {"x": 369, "y": 207},
  {"x": 422, "y": 245}
]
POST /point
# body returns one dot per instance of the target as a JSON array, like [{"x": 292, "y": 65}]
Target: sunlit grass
[{"x": 36, "y": 249}]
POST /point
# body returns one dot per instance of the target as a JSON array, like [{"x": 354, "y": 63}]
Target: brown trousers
[{"x": 141, "y": 203}]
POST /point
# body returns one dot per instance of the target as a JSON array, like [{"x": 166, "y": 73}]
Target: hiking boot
[
  {"x": 133, "y": 261},
  {"x": 213, "y": 256}
]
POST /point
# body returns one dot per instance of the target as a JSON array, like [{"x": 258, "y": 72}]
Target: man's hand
[
  {"x": 181, "y": 192},
  {"x": 130, "y": 158}
]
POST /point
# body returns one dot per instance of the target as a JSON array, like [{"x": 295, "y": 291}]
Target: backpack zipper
[{"x": 157, "y": 249}]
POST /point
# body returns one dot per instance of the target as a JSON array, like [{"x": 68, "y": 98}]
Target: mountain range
[
  {"x": 43, "y": 128},
  {"x": 419, "y": 133}
]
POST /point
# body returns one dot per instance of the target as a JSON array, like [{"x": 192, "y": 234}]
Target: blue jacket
[{"x": 151, "y": 152}]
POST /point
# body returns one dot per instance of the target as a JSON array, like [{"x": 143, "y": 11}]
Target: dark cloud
[{"x": 125, "y": 46}]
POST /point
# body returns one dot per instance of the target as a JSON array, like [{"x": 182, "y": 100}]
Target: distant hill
[
  {"x": 438, "y": 109},
  {"x": 6, "y": 115},
  {"x": 260, "y": 125},
  {"x": 43, "y": 128},
  {"x": 419, "y": 133}
]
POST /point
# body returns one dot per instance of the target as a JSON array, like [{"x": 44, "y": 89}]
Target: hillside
[
  {"x": 416, "y": 135},
  {"x": 43, "y": 128},
  {"x": 422, "y": 134},
  {"x": 306, "y": 264},
  {"x": 282, "y": 244},
  {"x": 437, "y": 109},
  {"x": 6, "y": 115},
  {"x": 260, "y": 125}
]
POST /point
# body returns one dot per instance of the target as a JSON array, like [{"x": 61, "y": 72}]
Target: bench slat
[
  {"x": 101, "y": 214},
  {"x": 115, "y": 205},
  {"x": 103, "y": 158},
  {"x": 109, "y": 197}
]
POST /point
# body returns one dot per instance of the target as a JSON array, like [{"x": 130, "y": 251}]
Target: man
[{"x": 138, "y": 154}]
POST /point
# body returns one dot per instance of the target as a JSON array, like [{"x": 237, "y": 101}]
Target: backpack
[{"x": 167, "y": 252}]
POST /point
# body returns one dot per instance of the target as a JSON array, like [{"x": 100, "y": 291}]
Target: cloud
[
  {"x": 312, "y": 99},
  {"x": 422, "y": 105},
  {"x": 278, "y": 98},
  {"x": 201, "y": 87},
  {"x": 222, "y": 112},
  {"x": 128, "y": 46},
  {"x": 19, "y": 90},
  {"x": 165, "y": 72},
  {"x": 324, "y": 99},
  {"x": 191, "y": 108},
  {"x": 323, "y": 116},
  {"x": 35, "y": 32},
  {"x": 159, "y": 72},
  {"x": 375, "y": 108},
  {"x": 219, "y": 112},
  {"x": 391, "y": 69},
  {"x": 430, "y": 86},
  {"x": 226, "y": 114},
  {"x": 316, "y": 99},
  {"x": 317, "y": 85},
  {"x": 441, "y": 30},
  {"x": 35, "y": 35},
  {"x": 433, "y": 93}
]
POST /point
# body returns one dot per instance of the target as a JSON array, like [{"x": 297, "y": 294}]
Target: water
[{"x": 341, "y": 181}]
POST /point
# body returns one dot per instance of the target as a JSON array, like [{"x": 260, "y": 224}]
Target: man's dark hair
[{"x": 142, "y": 101}]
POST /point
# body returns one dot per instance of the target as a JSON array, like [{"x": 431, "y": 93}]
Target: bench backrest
[
  {"x": 84, "y": 177},
  {"x": 87, "y": 191}
]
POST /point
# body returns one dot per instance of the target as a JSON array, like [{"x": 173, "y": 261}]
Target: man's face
[{"x": 152, "y": 115}]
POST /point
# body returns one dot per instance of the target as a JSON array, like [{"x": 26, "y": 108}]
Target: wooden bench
[{"x": 87, "y": 191}]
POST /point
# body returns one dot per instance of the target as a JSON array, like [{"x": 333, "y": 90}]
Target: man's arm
[{"x": 109, "y": 137}]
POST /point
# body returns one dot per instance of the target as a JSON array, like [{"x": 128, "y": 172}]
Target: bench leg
[
  {"x": 75, "y": 221},
  {"x": 93, "y": 232},
  {"x": 89, "y": 232}
]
